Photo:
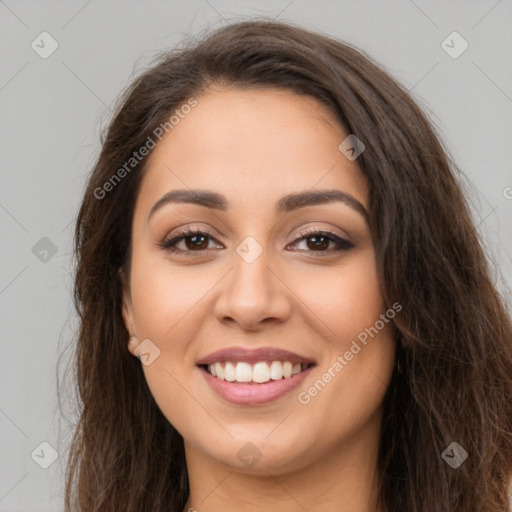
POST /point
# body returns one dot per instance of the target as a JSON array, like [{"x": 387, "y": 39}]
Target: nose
[{"x": 253, "y": 295}]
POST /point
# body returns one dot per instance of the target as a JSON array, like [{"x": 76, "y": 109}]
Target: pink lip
[
  {"x": 252, "y": 393},
  {"x": 238, "y": 354}
]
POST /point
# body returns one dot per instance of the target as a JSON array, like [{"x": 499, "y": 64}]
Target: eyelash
[{"x": 170, "y": 243}]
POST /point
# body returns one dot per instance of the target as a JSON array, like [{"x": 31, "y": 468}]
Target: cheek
[
  {"x": 166, "y": 298},
  {"x": 167, "y": 302},
  {"x": 345, "y": 298},
  {"x": 348, "y": 305}
]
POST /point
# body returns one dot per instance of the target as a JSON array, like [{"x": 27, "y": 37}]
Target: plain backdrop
[{"x": 52, "y": 110}]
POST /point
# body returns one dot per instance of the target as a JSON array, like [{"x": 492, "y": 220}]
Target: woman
[{"x": 284, "y": 302}]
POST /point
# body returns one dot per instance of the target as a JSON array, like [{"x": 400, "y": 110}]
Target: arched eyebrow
[{"x": 288, "y": 203}]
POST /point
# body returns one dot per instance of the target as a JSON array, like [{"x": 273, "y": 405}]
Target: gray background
[{"x": 52, "y": 110}]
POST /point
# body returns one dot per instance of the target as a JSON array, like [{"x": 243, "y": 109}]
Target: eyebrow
[{"x": 286, "y": 204}]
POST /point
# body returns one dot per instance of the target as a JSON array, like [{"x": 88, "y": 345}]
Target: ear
[{"x": 127, "y": 310}]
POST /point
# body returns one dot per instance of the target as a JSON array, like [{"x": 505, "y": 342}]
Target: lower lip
[{"x": 251, "y": 393}]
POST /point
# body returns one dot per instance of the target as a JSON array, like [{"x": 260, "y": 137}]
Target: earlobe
[
  {"x": 128, "y": 314},
  {"x": 132, "y": 345},
  {"x": 130, "y": 324}
]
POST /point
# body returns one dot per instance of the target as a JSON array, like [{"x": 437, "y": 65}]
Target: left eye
[
  {"x": 197, "y": 241},
  {"x": 321, "y": 239}
]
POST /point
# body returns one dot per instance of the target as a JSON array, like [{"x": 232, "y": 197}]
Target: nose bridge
[{"x": 251, "y": 292}]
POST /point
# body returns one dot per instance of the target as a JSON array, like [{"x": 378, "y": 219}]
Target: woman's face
[{"x": 259, "y": 291}]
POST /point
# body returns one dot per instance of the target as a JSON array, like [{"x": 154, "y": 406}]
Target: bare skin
[{"x": 254, "y": 147}]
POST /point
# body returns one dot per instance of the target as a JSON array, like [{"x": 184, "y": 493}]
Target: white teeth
[
  {"x": 219, "y": 370},
  {"x": 243, "y": 372},
  {"x": 260, "y": 372},
  {"x": 229, "y": 372},
  {"x": 276, "y": 370}
]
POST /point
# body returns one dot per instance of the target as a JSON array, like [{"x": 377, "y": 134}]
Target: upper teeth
[{"x": 259, "y": 372}]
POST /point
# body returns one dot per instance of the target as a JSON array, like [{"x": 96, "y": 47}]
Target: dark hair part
[{"x": 454, "y": 334}]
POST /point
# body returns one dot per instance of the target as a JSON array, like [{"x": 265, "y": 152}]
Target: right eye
[{"x": 195, "y": 241}]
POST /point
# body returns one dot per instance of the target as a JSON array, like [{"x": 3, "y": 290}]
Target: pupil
[
  {"x": 318, "y": 241},
  {"x": 198, "y": 241},
  {"x": 197, "y": 245}
]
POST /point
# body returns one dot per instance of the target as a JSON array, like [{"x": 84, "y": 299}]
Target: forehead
[{"x": 253, "y": 146}]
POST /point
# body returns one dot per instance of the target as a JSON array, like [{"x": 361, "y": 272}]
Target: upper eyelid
[
  {"x": 184, "y": 232},
  {"x": 302, "y": 234}
]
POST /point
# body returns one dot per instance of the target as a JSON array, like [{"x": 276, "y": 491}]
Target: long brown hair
[{"x": 453, "y": 377}]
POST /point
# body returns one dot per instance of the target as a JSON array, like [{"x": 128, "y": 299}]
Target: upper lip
[{"x": 240, "y": 354}]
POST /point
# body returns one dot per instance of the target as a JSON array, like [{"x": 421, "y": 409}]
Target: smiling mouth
[{"x": 258, "y": 373}]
